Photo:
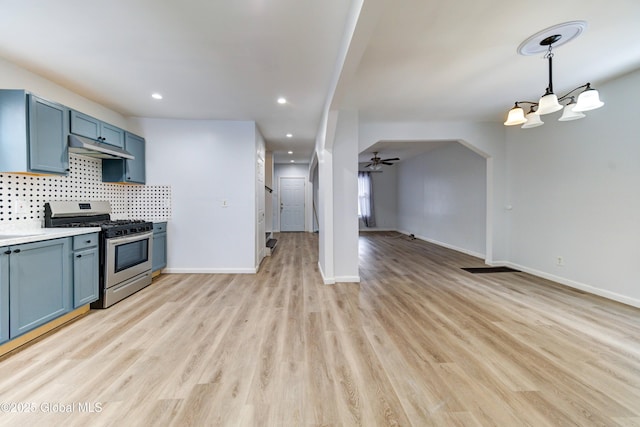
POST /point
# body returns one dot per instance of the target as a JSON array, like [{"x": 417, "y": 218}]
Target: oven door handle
[{"x": 126, "y": 239}]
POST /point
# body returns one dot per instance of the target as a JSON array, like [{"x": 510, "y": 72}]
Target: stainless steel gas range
[{"x": 125, "y": 246}]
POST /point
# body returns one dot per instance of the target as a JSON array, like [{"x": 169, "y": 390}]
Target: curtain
[{"x": 365, "y": 199}]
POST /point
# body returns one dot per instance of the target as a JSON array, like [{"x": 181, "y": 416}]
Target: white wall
[
  {"x": 442, "y": 198},
  {"x": 486, "y": 139},
  {"x": 268, "y": 181},
  {"x": 206, "y": 162},
  {"x": 385, "y": 198},
  {"x": 261, "y": 218},
  {"x": 325, "y": 216},
  {"x": 282, "y": 170},
  {"x": 338, "y": 199},
  {"x": 575, "y": 191},
  {"x": 315, "y": 198},
  {"x": 345, "y": 198}
]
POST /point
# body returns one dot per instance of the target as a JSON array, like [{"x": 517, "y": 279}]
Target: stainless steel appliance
[
  {"x": 125, "y": 246},
  {"x": 91, "y": 148}
]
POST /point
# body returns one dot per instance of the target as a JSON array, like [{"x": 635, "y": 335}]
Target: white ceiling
[{"x": 425, "y": 60}]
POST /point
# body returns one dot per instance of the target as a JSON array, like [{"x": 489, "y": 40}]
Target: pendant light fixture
[
  {"x": 533, "y": 119},
  {"x": 570, "y": 113},
  {"x": 589, "y": 98}
]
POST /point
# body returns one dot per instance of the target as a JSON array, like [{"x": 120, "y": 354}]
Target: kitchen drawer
[
  {"x": 159, "y": 227},
  {"x": 85, "y": 241}
]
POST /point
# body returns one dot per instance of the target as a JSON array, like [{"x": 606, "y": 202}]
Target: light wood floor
[{"x": 418, "y": 342}]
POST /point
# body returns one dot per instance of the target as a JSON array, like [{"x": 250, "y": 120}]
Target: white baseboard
[
  {"x": 347, "y": 279},
  {"x": 560, "y": 280},
  {"x": 326, "y": 280},
  {"x": 445, "y": 245},
  {"x": 571, "y": 283}
]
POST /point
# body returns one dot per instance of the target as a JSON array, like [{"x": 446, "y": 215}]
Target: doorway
[{"x": 292, "y": 203}]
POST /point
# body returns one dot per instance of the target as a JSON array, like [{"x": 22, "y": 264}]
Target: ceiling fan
[{"x": 377, "y": 162}]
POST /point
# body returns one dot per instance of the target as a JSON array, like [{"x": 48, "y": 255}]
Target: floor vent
[{"x": 271, "y": 246}]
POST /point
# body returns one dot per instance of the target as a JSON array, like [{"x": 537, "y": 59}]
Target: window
[{"x": 365, "y": 199}]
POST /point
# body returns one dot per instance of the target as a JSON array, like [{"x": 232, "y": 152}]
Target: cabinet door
[
  {"x": 4, "y": 295},
  {"x": 48, "y": 150},
  {"x": 159, "y": 254},
  {"x": 135, "y": 169},
  {"x": 111, "y": 135},
  {"x": 84, "y": 125},
  {"x": 85, "y": 276},
  {"x": 39, "y": 284}
]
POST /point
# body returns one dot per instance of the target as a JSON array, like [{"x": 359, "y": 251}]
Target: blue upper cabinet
[
  {"x": 112, "y": 135},
  {"x": 33, "y": 134},
  {"x": 135, "y": 169},
  {"x": 48, "y": 151},
  {"x": 92, "y": 128},
  {"x": 127, "y": 171}
]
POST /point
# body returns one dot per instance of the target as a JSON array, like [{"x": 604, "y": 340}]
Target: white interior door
[{"x": 291, "y": 204}]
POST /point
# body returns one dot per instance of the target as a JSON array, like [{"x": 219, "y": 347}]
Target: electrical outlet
[{"x": 560, "y": 261}]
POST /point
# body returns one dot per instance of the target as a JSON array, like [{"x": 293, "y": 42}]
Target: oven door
[{"x": 127, "y": 257}]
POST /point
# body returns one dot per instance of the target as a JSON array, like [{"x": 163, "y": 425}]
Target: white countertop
[{"x": 9, "y": 237}]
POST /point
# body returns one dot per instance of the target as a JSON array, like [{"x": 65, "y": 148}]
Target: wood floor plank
[{"x": 419, "y": 342}]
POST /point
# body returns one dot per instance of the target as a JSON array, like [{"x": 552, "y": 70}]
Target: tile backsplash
[{"x": 22, "y": 197}]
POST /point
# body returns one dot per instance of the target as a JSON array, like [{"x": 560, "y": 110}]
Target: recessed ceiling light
[
  {"x": 156, "y": 95},
  {"x": 292, "y": 161},
  {"x": 289, "y": 135},
  {"x": 282, "y": 100},
  {"x": 290, "y": 152}
]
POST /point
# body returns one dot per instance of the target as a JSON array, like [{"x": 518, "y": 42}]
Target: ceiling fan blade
[
  {"x": 387, "y": 163},
  {"x": 368, "y": 165},
  {"x": 395, "y": 159}
]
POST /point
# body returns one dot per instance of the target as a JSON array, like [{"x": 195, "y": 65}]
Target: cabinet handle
[
  {"x": 17, "y": 251},
  {"x": 78, "y": 256},
  {"x": 88, "y": 241},
  {"x": 7, "y": 252}
]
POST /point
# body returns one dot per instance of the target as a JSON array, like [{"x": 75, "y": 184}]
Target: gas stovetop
[
  {"x": 92, "y": 214},
  {"x": 114, "y": 228}
]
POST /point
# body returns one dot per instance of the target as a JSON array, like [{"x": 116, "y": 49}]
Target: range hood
[{"x": 91, "y": 148}]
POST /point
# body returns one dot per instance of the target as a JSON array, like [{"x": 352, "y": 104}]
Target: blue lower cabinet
[
  {"x": 85, "y": 276},
  {"x": 40, "y": 284},
  {"x": 4, "y": 295},
  {"x": 159, "y": 257}
]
